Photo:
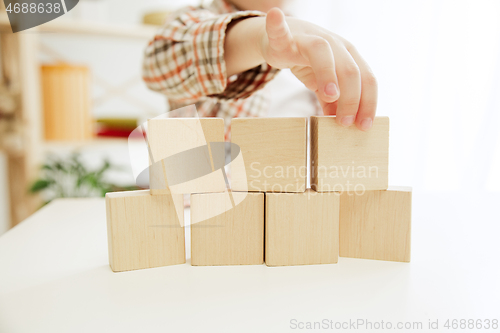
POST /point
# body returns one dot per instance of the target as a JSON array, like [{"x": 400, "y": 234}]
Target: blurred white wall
[{"x": 438, "y": 67}]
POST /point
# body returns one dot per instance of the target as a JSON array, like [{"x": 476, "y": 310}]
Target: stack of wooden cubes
[{"x": 269, "y": 215}]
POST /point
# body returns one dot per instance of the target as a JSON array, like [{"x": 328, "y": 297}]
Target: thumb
[{"x": 277, "y": 30}]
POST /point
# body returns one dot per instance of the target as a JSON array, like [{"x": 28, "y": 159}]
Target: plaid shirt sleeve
[{"x": 185, "y": 60}]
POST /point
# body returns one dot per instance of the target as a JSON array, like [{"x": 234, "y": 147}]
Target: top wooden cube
[
  {"x": 274, "y": 154},
  {"x": 182, "y": 160},
  {"x": 348, "y": 159}
]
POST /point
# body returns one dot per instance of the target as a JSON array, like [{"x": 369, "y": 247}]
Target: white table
[{"x": 54, "y": 277}]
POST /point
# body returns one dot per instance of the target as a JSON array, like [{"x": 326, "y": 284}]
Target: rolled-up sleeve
[{"x": 185, "y": 59}]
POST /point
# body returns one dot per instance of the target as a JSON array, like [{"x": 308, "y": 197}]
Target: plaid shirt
[{"x": 185, "y": 61}]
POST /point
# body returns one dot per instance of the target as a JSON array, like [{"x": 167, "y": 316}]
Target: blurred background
[{"x": 437, "y": 63}]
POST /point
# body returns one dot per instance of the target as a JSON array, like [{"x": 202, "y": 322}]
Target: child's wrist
[{"x": 243, "y": 44}]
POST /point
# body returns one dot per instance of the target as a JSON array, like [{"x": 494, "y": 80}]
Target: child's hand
[{"x": 326, "y": 63}]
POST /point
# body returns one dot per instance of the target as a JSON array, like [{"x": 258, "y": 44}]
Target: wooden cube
[
  {"x": 302, "y": 228},
  {"x": 234, "y": 237},
  {"x": 173, "y": 138},
  {"x": 143, "y": 230},
  {"x": 348, "y": 159},
  {"x": 274, "y": 154},
  {"x": 376, "y": 224}
]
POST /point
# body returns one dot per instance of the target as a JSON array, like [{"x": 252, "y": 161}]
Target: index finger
[
  {"x": 319, "y": 53},
  {"x": 369, "y": 93}
]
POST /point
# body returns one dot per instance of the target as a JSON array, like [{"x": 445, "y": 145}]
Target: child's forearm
[{"x": 242, "y": 46}]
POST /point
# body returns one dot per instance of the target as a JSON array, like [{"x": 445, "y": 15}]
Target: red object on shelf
[{"x": 113, "y": 133}]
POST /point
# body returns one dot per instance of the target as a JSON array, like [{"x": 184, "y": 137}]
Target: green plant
[{"x": 70, "y": 178}]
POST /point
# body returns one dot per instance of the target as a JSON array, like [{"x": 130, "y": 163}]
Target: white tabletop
[{"x": 54, "y": 277}]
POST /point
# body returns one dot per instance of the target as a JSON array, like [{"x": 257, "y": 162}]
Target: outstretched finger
[
  {"x": 319, "y": 53},
  {"x": 368, "y": 101},
  {"x": 350, "y": 86}
]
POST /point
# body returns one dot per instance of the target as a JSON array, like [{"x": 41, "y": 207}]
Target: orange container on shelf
[{"x": 66, "y": 102}]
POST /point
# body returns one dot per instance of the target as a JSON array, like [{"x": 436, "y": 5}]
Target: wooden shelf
[
  {"x": 61, "y": 25},
  {"x": 19, "y": 53}
]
